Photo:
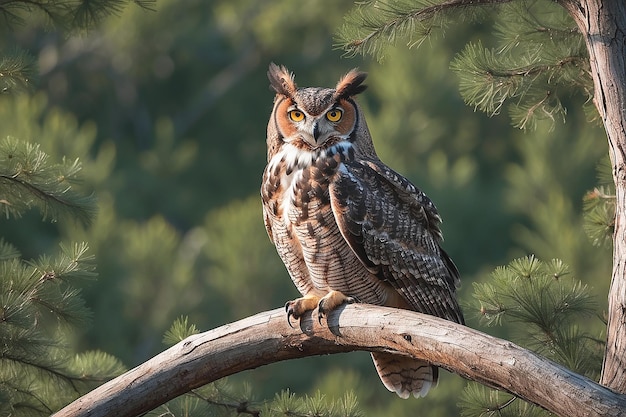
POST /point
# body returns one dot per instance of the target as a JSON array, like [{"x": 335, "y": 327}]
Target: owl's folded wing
[{"x": 393, "y": 228}]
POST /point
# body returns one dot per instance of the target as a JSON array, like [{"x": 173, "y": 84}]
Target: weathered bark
[
  {"x": 266, "y": 338},
  {"x": 603, "y": 24}
]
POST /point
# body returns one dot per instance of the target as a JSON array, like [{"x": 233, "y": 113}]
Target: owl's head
[{"x": 314, "y": 118}]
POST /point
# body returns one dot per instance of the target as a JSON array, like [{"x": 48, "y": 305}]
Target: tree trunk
[
  {"x": 603, "y": 25},
  {"x": 266, "y": 338}
]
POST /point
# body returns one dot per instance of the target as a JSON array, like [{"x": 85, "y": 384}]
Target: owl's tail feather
[{"x": 405, "y": 376}]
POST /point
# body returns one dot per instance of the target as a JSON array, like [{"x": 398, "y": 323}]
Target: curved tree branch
[{"x": 267, "y": 338}]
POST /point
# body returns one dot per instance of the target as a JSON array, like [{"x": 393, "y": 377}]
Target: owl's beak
[
  {"x": 312, "y": 134},
  {"x": 316, "y": 132}
]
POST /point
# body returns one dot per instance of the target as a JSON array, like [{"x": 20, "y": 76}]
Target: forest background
[{"x": 167, "y": 111}]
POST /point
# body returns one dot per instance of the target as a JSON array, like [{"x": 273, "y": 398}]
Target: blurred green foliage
[{"x": 167, "y": 111}]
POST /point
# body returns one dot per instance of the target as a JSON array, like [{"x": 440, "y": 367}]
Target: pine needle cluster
[
  {"x": 28, "y": 178},
  {"x": 17, "y": 71},
  {"x": 539, "y": 52},
  {"x": 373, "y": 26},
  {"x": 599, "y": 207},
  {"x": 179, "y": 331},
  {"x": 548, "y": 309},
  {"x": 39, "y": 306},
  {"x": 76, "y": 15},
  {"x": 546, "y": 305}
]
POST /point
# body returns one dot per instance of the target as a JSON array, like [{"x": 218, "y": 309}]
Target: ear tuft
[
  {"x": 282, "y": 80},
  {"x": 351, "y": 84}
]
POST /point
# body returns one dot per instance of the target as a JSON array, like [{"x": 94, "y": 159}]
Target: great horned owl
[{"x": 348, "y": 227}]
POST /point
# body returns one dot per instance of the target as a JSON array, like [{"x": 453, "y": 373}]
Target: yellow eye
[
  {"x": 334, "y": 115},
  {"x": 296, "y": 115}
]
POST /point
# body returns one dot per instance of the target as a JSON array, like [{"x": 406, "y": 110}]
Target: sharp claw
[
  {"x": 289, "y": 310},
  {"x": 321, "y": 312}
]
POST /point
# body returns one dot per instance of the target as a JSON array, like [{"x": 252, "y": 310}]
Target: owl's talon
[
  {"x": 296, "y": 308},
  {"x": 289, "y": 315},
  {"x": 330, "y": 302},
  {"x": 290, "y": 312}
]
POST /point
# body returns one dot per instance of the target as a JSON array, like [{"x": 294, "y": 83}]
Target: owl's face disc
[{"x": 313, "y": 118}]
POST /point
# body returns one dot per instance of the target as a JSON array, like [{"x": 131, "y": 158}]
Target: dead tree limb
[{"x": 267, "y": 338}]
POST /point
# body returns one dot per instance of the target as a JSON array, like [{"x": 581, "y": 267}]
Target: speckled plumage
[{"x": 348, "y": 227}]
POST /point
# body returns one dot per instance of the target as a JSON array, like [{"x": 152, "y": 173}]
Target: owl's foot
[
  {"x": 331, "y": 301},
  {"x": 296, "y": 308}
]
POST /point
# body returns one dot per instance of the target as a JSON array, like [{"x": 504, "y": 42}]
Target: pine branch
[
  {"x": 17, "y": 71},
  {"x": 88, "y": 13},
  {"x": 7, "y": 251},
  {"x": 74, "y": 263},
  {"x": 521, "y": 23},
  {"x": 78, "y": 15},
  {"x": 488, "y": 78},
  {"x": 540, "y": 52},
  {"x": 33, "y": 402},
  {"x": 38, "y": 305},
  {"x": 599, "y": 207},
  {"x": 374, "y": 25},
  {"x": 267, "y": 338},
  {"x": 546, "y": 305},
  {"x": 93, "y": 367},
  {"x": 599, "y": 215},
  {"x": 43, "y": 367},
  {"x": 28, "y": 178}
]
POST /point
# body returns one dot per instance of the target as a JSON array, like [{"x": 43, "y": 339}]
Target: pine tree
[
  {"x": 41, "y": 303},
  {"x": 41, "y": 308}
]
